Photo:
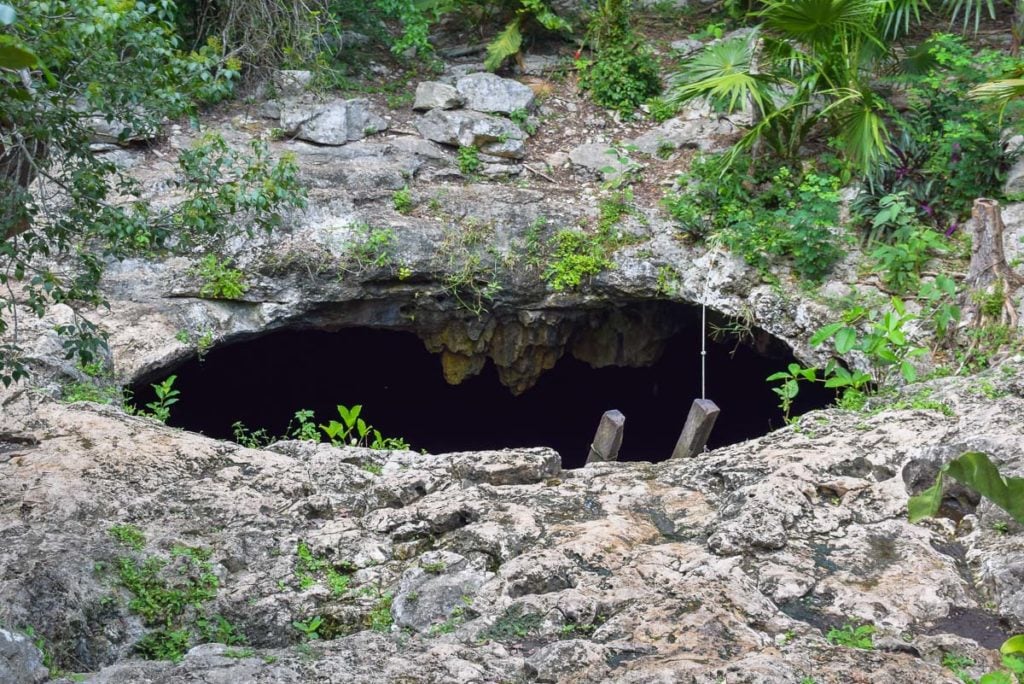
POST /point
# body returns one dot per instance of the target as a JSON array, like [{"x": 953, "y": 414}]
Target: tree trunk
[{"x": 989, "y": 275}]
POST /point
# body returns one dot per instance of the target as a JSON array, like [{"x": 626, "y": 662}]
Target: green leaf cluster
[{"x": 762, "y": 212}]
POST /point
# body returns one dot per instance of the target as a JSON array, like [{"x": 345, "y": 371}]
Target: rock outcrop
[{"x": 499, "y": 566}]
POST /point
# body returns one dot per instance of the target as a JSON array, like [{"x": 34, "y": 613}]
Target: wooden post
[
  {"x": 608, "y": 439},
  {"x": 699, "y": 423},
  {"x": 988, "y": 272}
]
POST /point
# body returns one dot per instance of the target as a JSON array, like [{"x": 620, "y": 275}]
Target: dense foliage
[{"x": 69, "y": 67}]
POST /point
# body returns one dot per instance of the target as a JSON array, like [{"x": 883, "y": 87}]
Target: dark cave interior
[{"x": 262, "y": 381}]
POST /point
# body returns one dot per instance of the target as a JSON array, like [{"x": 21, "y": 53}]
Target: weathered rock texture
[{"x": 727, "y": 567}]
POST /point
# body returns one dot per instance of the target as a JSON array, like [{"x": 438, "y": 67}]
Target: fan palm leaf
[
  {"x": 725, "y": 73},
  {"x": 819, "y": 24},
  {"x": 1001, "y": 92},
  {"x": 968, "y": 9},
  {"x": 859, "y": 123}
]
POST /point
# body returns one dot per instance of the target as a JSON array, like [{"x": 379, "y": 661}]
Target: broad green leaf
[
  {"x": 908, "y": 371},
  {"x": 825, "y": 333},
  {"x": 975, "y": 470},
  {"x": 926, "y": 504},
  {"x": 781, "y": 375},
  {"x": 1014, "y": 644},
  {"x": 846, "y": 338},
  {"x": 14, "y": 56},
  {"x": 996, "y": 678}
]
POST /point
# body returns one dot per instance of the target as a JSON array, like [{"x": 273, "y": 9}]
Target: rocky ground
[{"x": 499, "y": 566}]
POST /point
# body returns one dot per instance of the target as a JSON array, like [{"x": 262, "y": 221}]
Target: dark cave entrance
[{"x": 262, "y": 381}]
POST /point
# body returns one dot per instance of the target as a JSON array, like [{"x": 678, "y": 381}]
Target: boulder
[
  {"x": 434, "y": 95},
  {"x": 706, "y": 134},
  {"x": 330, "y": 123},
  {"x": 490, "y": 134},
  {"x": 486, "y": 92}
]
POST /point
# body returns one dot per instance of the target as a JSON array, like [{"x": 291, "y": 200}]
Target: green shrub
[
  {"x": 219, "y": 280},
  {"x": 469, "y": 160},
  {"x": 576, "y": 256},
  {"x": 763, "y": 212},
  {"x": 622, "y": 73}
]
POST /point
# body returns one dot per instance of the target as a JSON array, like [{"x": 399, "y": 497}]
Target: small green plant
[
  {"x": 661, "y": 109},
  {"x": 1001, "y": 526},
  {"x": 372, "y": 248},
  {"x": 401, "y": 200},
  {"x": 305, "y": 428},
  {"x": 219, "y": 279},
  {"x": 434, "y": 568},
  {"x": 251, "y": 439},
  {"x": 958, "y": 665},
  {"x": 238, "y": 653},
  {"x": 380, "y": 615},
  {"x": 852, "y": 637},
  {"x": 885, "y": 344},
  {"x": 521, "y": 118},
  {"x": 166, "y": 396},
  {"x": 309, "y": 567},
  {"x": 576, "y": 255},
  {"x": 449, "y": 625},
  {"x": 668, "y": 280},
  {"x": 128, "y": 535},
  {"x": 164, "y": 644},
  {"x": 354, "y": 431},
  {"x": 469, "y": 160},
  {"x": 513, "y": 625},
  {"x": 309, "y": 628},
  {"x": 622, "y": 73}
]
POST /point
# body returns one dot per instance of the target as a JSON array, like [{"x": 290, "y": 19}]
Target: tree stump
[{"x": 989, "y": 275}]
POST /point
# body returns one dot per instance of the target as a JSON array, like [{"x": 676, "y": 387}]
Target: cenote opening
[{"x": 262, "y": 381}]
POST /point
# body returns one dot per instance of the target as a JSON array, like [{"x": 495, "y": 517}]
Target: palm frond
[
  {"x": 860, "y": 126},
  {"x": 819, "y": 23},
  {"x": 1001, "y": 92},
  {"x": 969, "y": 8},
  {"x": 504, "y": 45},
  {"x": 723, "y": 72},
  {"x": 898, "y": 14}
]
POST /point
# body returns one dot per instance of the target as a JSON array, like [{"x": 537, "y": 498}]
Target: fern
[{"x": 506, "y": 44}]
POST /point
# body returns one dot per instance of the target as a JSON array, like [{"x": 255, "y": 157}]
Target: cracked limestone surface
[{"x": 500, "y": 567}]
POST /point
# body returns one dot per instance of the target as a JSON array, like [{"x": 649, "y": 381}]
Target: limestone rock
[
  {"x": 487, "y": 92},
  {"x": 291, "y": 82},
  {"x": 331, "y": 123},
  {"x": 20, "y": 660},
  {"x": 705, "y": 134},
  {"x": 439, "y": 589},
  {"x": 599, "y": 158},
  {"x": 490, "y": 134},
  {"x": 686, "y": 46},
  {"x": 505, "y": 567},
  {"x": 1015, "y": 179},
  {"x": 434, "y": 95}
]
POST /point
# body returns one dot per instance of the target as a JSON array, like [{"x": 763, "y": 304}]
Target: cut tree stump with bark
[{"x": 988, "y": 273}]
